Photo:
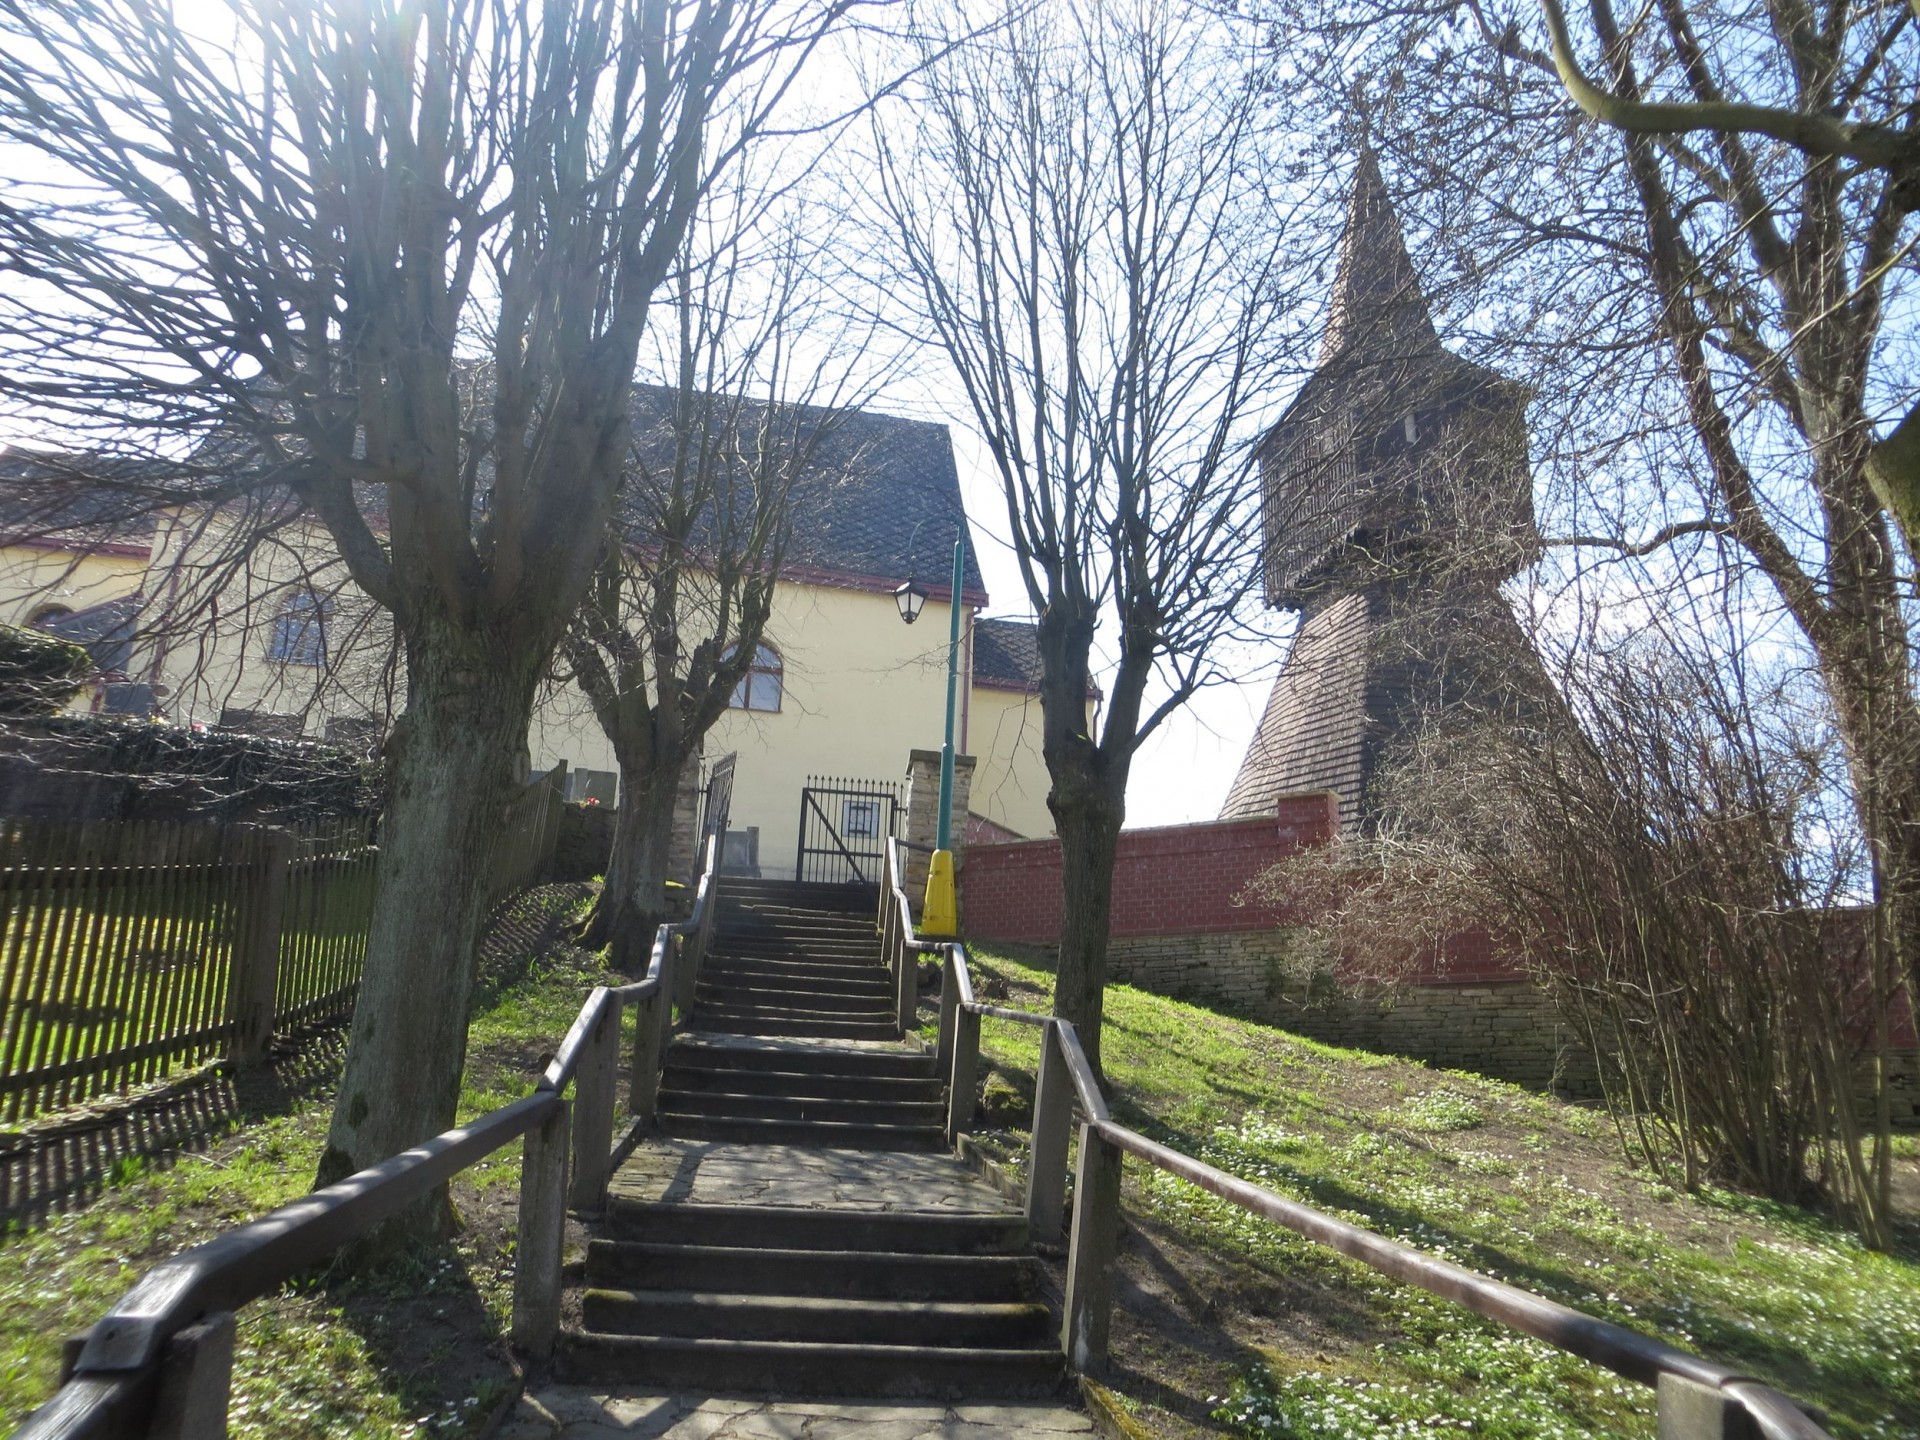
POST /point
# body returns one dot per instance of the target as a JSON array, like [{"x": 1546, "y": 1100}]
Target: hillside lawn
[
  {"x": 417, "y": 1350},
  {"x": 1228, "y": 1322}
]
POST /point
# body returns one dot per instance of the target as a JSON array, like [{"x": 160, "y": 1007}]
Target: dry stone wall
[{"x": 1508, "y": 1030}]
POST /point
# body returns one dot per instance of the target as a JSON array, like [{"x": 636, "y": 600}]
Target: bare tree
[
  {"x": 1093, "y": 240},
  {"x": 1668, "y": 861},
  {"x": 1849, "y": 107},
  {"x": 392, "y": 261},
  {"x": 1704, "y": 324},
  {"x": 673, "y": 620}
]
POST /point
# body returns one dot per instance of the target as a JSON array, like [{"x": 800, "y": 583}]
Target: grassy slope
[
  {"x": 414, "y": 1351},
  {"x": 1228, "y": 1314}
]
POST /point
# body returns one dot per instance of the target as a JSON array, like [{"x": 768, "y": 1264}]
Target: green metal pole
[{"x": 953, "y": 693}]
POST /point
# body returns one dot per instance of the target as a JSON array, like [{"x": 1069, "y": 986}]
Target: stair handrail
[
  {"x": 1697, "y": 1398},
  {"x": 899, "y": 947},
  {"x": 161, "y": 1360}
]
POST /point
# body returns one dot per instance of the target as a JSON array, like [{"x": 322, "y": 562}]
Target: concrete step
[
  {"x": 799, "y": 1084},
  {"x": 866, "y": 1003},
  {"x": 789, "y": 1227},
  {"x": 861, "y": 941},
  {"x": 803, "y": 1059},
  {"x": 821, "y": 953},
  {"x": 836, "y": 1321},
  {"x": 807, "y": 1006},
  {"x": 787, "y": 1367},
  {"x": 741, "y": 1019},
  {"x": 796, "y": 975},
  {"x": 734, "y": 913},
  {"x": 798, "y": 1029},
  {"x": 797, "y": 1109},
  {"x": 799, "y": 980},
  {"x": 822, "y": 1134},
  {"x": 845, "y": 902},
  {"x": 848, "y": 1274}
]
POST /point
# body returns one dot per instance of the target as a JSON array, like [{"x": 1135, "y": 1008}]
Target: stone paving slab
[
  {"x": 712, "y": 1172},
  {"x": 565, "y": 1412}
]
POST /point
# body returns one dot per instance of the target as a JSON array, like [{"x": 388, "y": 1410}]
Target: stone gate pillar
[{"x": 923, "y": 815}]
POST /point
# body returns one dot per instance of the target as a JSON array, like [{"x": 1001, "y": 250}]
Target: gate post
[
  {"x": 593, "y": 1091},
  {"x": 196, "y": 1378},
  {"x": 963, "y": 1085},
  {"x": 1692, "y": 1411}
]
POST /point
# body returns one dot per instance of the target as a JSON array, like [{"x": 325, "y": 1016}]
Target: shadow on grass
[
  {"x": 70, "y": 1160},
  {"x": 427, "y": 1329},
  {"x": 1858, "y": 1392}
]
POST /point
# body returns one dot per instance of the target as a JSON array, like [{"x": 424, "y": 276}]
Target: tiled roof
[
  {"x": 1370, "y": 672},
  {"x": 879, "y": 500},
  {"x": 1006, "y": 654},
  {"x": 54, "y": 498}
]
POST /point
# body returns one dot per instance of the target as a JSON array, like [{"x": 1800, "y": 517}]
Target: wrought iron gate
[
  {"x": 844, "y": 828},
  {"x": 716, "y": 806}
]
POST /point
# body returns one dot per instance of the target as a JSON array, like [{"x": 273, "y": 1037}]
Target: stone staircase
[
  {"x": 798, "y": 1228},
  {"x": 789, "y": 962}
]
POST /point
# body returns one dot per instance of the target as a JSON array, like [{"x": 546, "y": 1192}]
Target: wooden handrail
[
  {"x": 111, "y": 1390},
  {"x": 1627, "y": 1353},
  {"x": 246, "y": 1262},
  {"x": 566, "y": 1060},
  {"x": 903, "y": 908}
]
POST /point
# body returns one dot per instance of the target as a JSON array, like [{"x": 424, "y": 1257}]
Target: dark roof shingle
[
  {"x": 879, "y": 499},
  {"x": 1006, "y": 654}
]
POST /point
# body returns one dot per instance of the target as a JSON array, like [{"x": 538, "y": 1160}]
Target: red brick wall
[{"x": 1176, "y": 880}]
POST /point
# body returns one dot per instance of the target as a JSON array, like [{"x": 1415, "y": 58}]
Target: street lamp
[
  {"x": 911, "y": 598},
  {"x": 940, "y": 913}
]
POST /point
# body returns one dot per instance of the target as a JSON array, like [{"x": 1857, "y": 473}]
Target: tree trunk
[
  {"x": 452, "y": 766},
  {"x": 1088, "y": 816},
  {"x": 633, "y": 901}
]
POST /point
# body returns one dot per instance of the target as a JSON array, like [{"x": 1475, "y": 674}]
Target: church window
[
  {"x": 300, "y": 632},
  {"x": 760, "y": 688}
]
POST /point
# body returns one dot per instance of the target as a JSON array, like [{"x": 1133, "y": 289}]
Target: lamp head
[{"x": 911, "y": 598}]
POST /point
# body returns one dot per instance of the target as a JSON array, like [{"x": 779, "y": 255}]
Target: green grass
[
  {"x": 413, "y": 1350},
  {"x": 1499, "y": 1179}
]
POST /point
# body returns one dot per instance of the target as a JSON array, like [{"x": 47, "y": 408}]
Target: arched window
[
  {"x": 759, "y": 688},
  {"x": 48, "y": 615},
  {"x": 300, "y": 632}
]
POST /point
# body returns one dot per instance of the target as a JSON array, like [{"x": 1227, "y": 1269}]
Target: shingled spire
[
  {"x": 1376, "y": 305},
  {"x": 1396, "y": 498}
]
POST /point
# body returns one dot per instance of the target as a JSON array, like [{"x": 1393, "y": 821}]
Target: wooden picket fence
[
  {"x": 524, "y": 849},
  {"x": 133, "y": 950}
]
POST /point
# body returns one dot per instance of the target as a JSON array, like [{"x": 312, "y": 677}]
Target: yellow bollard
[{"x": 940, "y": 915}]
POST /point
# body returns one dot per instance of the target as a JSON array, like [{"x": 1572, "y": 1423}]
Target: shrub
[{"x": 39, "y": 673}]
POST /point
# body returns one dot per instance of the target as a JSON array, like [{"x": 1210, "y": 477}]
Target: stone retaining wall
[{"x": 1506, "y": 1029}]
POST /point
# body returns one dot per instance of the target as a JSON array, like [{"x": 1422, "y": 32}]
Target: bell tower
[{"x": 1396, "y": 498}]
